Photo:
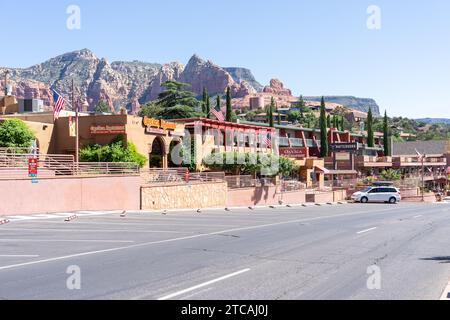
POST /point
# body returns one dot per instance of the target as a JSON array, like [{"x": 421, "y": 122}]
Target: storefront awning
[
  {"x": 321, "y": 169},
  {"x": 341, "y": 172}
]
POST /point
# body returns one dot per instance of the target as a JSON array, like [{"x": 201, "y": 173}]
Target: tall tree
[
  {"x": 301, "y": 105},
  {"x": 270, "y": 112},
  {"x": 218, "y": 104},
  {"x": 208, "y": 108},
  {"x": 386, "y": 136},
  {"x": 370, "y": 135},
  {"x": 342, "y": 124},
  {"x": 229, "y": 113},
  {"x": 279, "y": 116},
  {"x": 329, "y": 121},
  {"x": 205, "y": 100},
  {"x": 335, "y": 122},
  {"x": 323, "y": 130}
]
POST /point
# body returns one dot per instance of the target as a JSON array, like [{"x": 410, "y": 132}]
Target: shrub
[
  {"x": 14, "y": 133},
  {"x": 113, "y": 152}
]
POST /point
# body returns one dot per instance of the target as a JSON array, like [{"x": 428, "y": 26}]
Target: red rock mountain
[{"x": 119, "y": 83}]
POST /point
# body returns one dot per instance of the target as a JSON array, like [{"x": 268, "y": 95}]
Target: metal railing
[
  {"x": 15, "y": 165},
  {"x": 178, "y": 176},
  {"x": 246, "y": 181}
]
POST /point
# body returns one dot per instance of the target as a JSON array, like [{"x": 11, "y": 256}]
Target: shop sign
[
  {"x": 345, "y": 146},
  {"x": 298, "y": 153},
  {"x": 160, "y": 124},
  {"x": 341, "y": 156},
  {"x": 154, "y": 130},
  {"x": 33, "y": 167},
  {"x": 105, "y": 129}
]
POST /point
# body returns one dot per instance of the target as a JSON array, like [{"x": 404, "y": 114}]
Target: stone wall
[{"x": 184, "y": 196}]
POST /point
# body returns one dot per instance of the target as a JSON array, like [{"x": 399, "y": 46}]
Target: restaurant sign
[
  {"x": 158, "y": 126},
  {"x": 105, "y": 129},
  {"x": 297, "y": 153}
]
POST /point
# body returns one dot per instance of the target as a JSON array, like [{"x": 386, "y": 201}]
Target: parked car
[{"x": 378, "y": 194}]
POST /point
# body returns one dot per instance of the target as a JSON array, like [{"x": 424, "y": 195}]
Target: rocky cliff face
[
  {"x": 243, "y": 74},
  {"x": 276, "y": 87},
  {"x": 361, "y": 104},
  {"x": 133, "y": 83},
  {"x": 119, "y": 83}
]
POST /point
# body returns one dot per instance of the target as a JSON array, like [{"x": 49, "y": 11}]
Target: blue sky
[{"x": 316, "y": 47}]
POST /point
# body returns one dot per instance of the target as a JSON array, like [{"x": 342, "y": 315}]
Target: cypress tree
[
  {"x": 323, "y": 130},
  {"x": 301, "y": 107},
  {"x": 218, "y": 106},
  {"x": 208, "y": 108},
  {"x": 279, "y": 116},
  {"x": 335, "y": 122},
  {"x": 370, "y": 136},
  {"x": 204, "y": 100},
  {"x": 386, "y": 136},
  {"x": 229, "y": 113},
  {"x": 270, "y": 112},
  {"x": 329, "y": 121},
  {"x": 342, "y": 124}
]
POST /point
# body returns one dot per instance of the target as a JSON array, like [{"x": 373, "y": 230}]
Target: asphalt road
[{"x": 283, "y": 253}]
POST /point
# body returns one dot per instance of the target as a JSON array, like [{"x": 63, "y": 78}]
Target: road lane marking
[
  {"x": 98, "y": 230},
  {"x": 83, "y": 254},
  {"x": 205, "y": 284},
  {"x": 416, "y": 217},
  {"x": 367, "y": 230},
  {"x": 446, "y": 293},
  {"x": 66, "y": 240},
  {"x": 140, "y": 224},
  {"x": 18, "y": 256}
]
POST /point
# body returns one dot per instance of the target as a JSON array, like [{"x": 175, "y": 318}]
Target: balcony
[
  {"x": 368, "y": 161},
  {"x": 400, "y": 162}
]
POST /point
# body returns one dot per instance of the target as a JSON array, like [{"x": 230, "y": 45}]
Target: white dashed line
[
  {"x": 367, "y": 230},
  {"x": 205, "y": 284}
]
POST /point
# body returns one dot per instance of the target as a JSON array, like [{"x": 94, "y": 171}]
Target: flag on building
[
  {"x": 59, "y": 103},
  {"x": 218, "y": 113},
  {"x": 421, "y": 156},
  {"x": 267, "y": 140},
  {"x": 72, "y": 127}
]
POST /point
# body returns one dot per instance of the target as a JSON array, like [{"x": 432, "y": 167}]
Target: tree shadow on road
[{"x": 439, "y": 259}]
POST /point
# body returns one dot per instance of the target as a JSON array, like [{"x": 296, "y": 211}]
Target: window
[{"x": 376, "y": 190}]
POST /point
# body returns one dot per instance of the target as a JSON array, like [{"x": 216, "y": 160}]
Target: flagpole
[
  {"x": 423, "y": 178},
  {"x": 77, "y": 142}
]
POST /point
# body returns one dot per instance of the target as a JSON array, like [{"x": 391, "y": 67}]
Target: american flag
[
  {"x": 218, "y": 113},
  {"x": 59, "y": 104},
  {"x": 421, "y": 156},
  {"x": 267, "y": 140}
]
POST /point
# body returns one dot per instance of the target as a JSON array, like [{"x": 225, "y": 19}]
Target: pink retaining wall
[
  {"x": 69, "y": 194},
  {"x": 262, "y": 196}
]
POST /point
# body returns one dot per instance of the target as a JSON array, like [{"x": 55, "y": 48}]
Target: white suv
[{"x": 378, "y": 194}]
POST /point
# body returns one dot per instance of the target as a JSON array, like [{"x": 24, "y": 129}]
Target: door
[{"x": 374, "y": 195}]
